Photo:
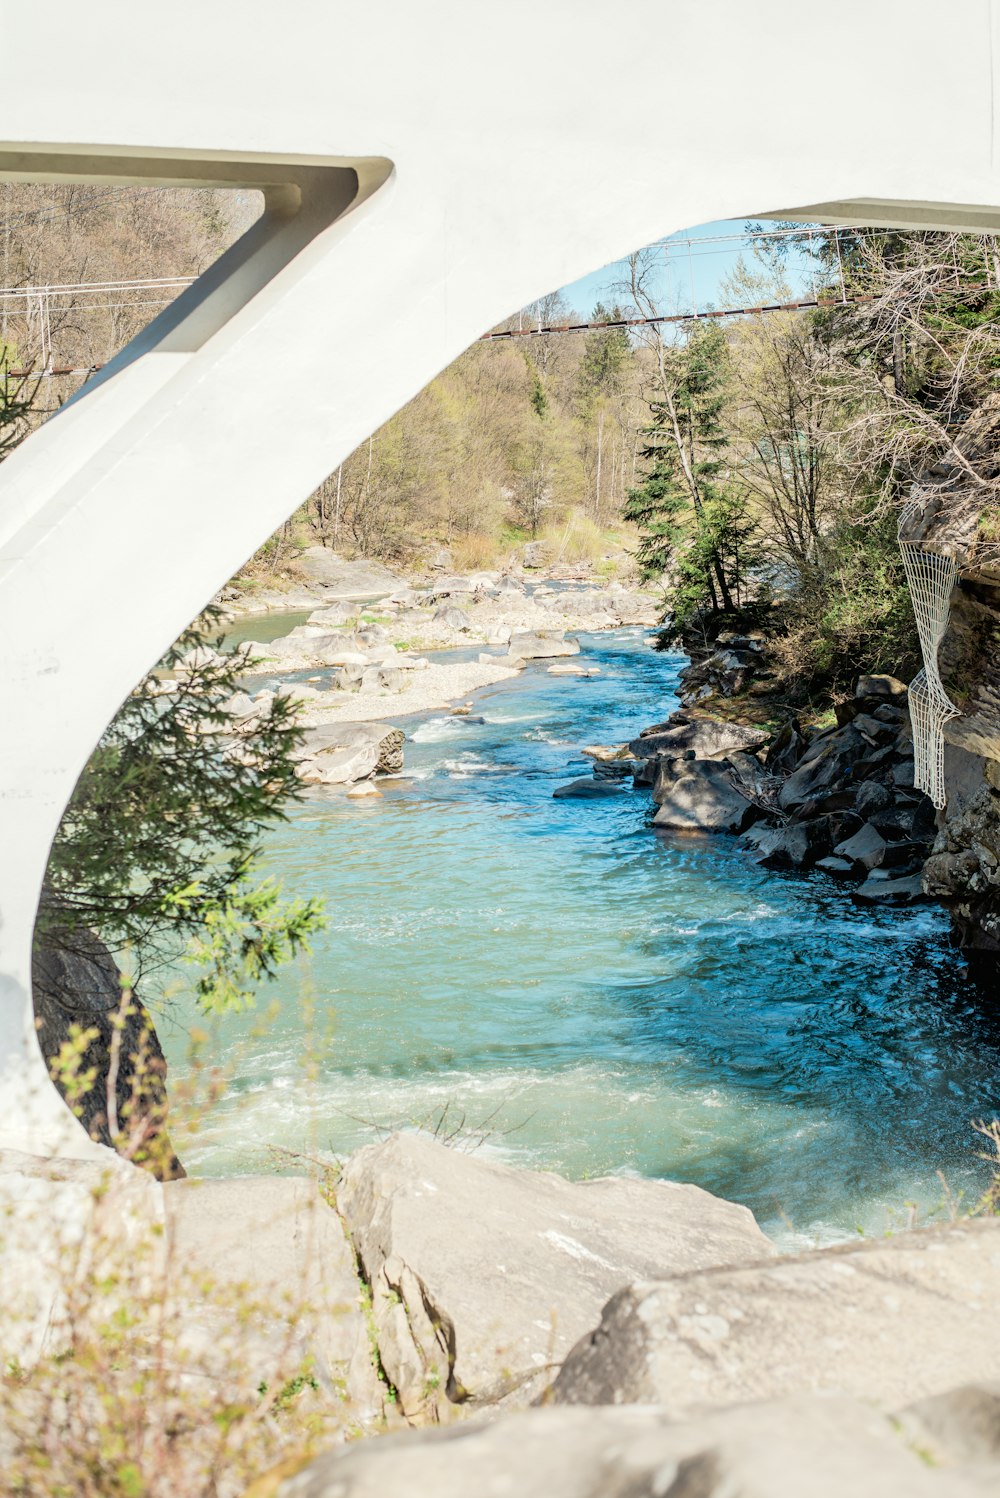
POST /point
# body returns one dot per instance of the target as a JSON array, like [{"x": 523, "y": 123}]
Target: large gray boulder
[
  {"x": 341, "y": 579},
  {"x": 826, "y": 765},
  {"x": 336, "y": 753},
  {"x": 331, "y": 616},
  {"x": 295, "y": 645},
  {"x": 889, "y": 1321},
  {"x": 238, "y": 1284},
  {"x": 586, "y": 787},
  {"x": 794, "y": 1448},
  {"x": 799, "y": 844},
  {"x": 903, "y": 889},
  {"x": 279, "y": 1288},
  {"x": 703, "y": 799},
  {"x": 541, "y": 644},
  {"x": 703, "y": 737},
  {"x": 865, "y": 849},
  {"x": 340, "y": 766},
  {"x": 483, "y": 1276},
  {"x": 451, "y": 618}
]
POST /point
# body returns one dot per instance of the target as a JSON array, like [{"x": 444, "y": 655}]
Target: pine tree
[{"x": 688, "y": 508}]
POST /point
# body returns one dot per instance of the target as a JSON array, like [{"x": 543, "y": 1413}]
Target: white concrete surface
[{"x": 431, "y": 165}]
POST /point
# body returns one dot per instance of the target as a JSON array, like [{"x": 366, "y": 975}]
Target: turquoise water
[{"x": 598, "y": 998}]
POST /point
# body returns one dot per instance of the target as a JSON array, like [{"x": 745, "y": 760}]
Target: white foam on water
[
  {"x": 437, "y": 729},
  {"x": 469, "y": 764}
]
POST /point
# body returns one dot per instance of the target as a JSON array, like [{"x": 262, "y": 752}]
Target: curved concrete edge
[
  {"x": 145, "y": 495},
  {"x": 303, "y": 201}
]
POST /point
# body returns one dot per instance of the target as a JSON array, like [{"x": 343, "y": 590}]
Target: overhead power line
[{"x": 682, "y": 317}]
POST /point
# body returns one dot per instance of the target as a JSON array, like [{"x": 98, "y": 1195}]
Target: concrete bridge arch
[{"x": 427, "y": 168}]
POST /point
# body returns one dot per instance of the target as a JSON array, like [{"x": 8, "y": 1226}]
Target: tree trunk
[
  {"x": 600, "y": 445},
  {"x": 898, "y": 363}
]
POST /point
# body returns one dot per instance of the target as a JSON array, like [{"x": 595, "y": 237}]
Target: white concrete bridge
[{"x": 450, "y": 161}]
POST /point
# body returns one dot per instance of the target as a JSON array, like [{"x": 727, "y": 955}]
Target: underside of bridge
[{"x": 401, "y": 170}]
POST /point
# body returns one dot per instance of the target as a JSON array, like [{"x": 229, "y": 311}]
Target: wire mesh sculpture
[{"x": 931, "y": 577}]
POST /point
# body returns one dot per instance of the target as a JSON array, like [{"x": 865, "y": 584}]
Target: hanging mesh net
[{"x": 931, "y": 578}]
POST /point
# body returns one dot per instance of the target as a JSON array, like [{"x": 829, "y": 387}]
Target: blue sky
[{"x": 692, "y": 276}]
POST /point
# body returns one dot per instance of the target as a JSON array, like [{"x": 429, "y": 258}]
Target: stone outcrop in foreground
[
  {"x": 885, "y": 1321},
  {"x": 271, "y": 1247},
  {"x": 484, "y": 1276},
  {"x": 795, "y": 1448},
  {"x": 877, "y": 1365},
  {"x": 252, "y": 1278}
]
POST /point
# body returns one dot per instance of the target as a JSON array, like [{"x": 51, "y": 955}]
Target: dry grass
[
  {"x": 576, "y": 538},
  {"x": 475, "y": 552}
]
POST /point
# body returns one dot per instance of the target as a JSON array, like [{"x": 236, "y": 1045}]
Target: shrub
[{"x": 474, "y": 552}]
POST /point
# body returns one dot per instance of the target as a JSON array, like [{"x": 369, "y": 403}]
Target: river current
[{"x": 589, "y": 996}]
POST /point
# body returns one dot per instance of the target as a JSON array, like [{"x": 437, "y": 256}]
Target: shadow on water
[{"x": 622, "y": 1001}]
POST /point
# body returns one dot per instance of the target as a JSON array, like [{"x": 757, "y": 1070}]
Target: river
[{"x": 594, "y": 998}]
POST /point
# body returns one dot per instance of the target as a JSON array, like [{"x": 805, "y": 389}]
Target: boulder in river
[
  {"x": 898, "y": 889},
  {"x": 703, "y": 737},
  {"x": 331, "y": 616},
  {"x": 703, "y": 799},
  {"x": 483, "y": 1276},
  {"x": 830, "y": 760},
  {"x": 335, "y": 766},
  {"x": 338, "y": 753},
  {"x": 865, "y": 849},
  {"x": 797, "y": 845},
  {"x": 542, "y": 644},
  {"x": 587, "y": 787}
]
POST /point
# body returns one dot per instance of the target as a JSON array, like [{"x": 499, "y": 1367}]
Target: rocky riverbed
[
  {"x": 349, "y": 666},
  {"x": 837, "y": 797}
]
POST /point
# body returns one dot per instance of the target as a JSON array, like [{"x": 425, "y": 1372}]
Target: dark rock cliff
[{"x": 77, "y": 988}]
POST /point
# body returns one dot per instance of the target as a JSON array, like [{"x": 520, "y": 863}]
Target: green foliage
[
  {"x": 692, "y": 513},
  {"x": 852, "y": 614},
  {"x": 723, "y": 537},
  {"x": 657, "y": 505},
  {"x": 607, "y": 356},
  {"x": 245, "y": 938},
  {"x": 159, "y": 844},
  {"x": 537, "y": 397}
]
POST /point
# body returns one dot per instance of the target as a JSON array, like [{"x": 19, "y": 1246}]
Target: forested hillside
[
  {"x": 512, "y": 441},
  {"x": 94, "y": 238},
  {"x": 754, "y": 464},
  {"x": 509, "y": 442}
]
